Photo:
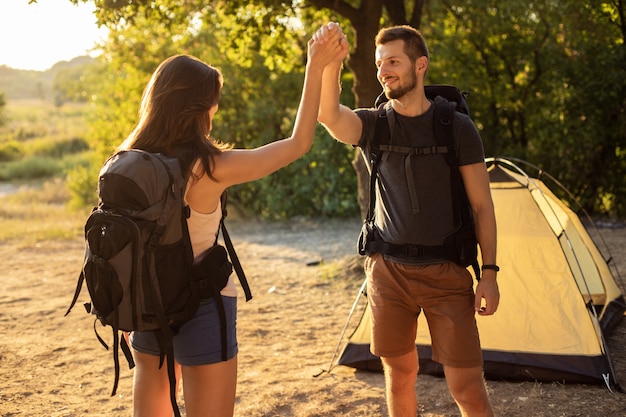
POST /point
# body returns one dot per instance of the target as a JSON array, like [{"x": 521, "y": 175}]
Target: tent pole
[{"x": 343, "y": 332}]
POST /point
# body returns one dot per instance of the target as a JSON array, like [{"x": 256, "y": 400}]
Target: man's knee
[
  {"x": 401, "y": 368},
  {"x": 467, "y": 387}
]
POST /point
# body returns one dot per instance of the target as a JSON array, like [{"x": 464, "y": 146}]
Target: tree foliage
[
  {"x": 545, "y": 81},
  {"x": 532, "y": 69},
  {"x": 262, "y": 55},
  {"x": 74, "y": 84}
]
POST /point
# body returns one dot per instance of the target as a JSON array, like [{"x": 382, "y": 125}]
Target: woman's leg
[
  {"x": 209, "y": 390},
  {"x": 151, "y": 387}
]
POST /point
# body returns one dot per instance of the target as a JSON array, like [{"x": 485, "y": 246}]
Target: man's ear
[{"x": 422, "y": 64}]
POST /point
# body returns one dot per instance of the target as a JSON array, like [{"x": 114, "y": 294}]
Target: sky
[{"x": 36, "y": 36}]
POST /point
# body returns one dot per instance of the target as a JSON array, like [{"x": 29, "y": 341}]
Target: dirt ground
[{"x": 304, "y": 283}]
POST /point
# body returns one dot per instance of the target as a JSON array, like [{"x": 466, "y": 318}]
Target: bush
[
  {"x": 81, "y": 184},
  {"x": 57, "y": 148},
  {"x": 10, "y": 151},
  {"x": 31, "y": 168}
]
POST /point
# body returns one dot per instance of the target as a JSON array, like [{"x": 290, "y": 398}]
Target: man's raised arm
[{"x": 340, "y": 121}]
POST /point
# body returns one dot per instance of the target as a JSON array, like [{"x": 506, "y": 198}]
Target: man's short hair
[{"x": 414, "y": 43}]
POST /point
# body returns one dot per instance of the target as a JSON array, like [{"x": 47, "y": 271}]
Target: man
[{"x": 400, "y": 287}]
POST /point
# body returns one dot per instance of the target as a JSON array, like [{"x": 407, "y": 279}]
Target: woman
[{"x": 176, "y": 117}]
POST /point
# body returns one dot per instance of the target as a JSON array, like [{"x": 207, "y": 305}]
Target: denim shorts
[{"x": 198, "y": 341}]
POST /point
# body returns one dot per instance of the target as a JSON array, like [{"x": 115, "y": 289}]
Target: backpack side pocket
[
  {"x": 110, "y": 265},
  {"x": 211, "y": 274},
  {"x": 180, "y": 301}
]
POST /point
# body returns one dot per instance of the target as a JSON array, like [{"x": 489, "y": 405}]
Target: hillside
[{"x": 24, "y": 84}]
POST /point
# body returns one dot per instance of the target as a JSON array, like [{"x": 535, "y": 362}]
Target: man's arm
[
  {"x": 340, "y": 121},
  {"x": 476, "y": 181}
]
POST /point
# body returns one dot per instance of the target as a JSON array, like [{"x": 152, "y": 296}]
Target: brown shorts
[{"x": 397, "y": 293}]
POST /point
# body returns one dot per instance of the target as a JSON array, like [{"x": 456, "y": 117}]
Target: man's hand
[
  {"x": 327, "y": 48},
  {"x": 487, "y": 294},
  {"x": 331, "y": 32}
]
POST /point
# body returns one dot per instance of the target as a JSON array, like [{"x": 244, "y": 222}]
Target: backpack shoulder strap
[
  {"x": 444, "y": 135},
  {"x": 231, "y": 249},
  {"x": 443, "y": 129},
  {"x": 382, "y": 133}
]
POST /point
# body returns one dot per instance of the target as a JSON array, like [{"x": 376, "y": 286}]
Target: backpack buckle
[{"x": 414, "y": 251}]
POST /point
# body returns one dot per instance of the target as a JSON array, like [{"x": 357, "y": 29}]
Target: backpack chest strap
[
  {"x": 382, "y": 146},
  {"x": 411, "y": 151}
]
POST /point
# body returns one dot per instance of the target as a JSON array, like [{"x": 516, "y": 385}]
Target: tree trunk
[
  {"x": 361, "y": 63},
  {"x": 366, "y": 23}
]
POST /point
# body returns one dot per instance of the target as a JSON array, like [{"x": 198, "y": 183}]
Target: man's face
[{"x": 396, "y": 72}]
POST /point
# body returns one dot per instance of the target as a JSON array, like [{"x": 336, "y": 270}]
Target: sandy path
[{"x": 54, "y": 366}]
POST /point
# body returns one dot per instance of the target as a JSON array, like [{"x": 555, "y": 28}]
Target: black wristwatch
[{"x": 490, "y": 266}]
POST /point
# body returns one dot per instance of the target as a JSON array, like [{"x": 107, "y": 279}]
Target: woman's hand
[{"x": 328, "y": 45}]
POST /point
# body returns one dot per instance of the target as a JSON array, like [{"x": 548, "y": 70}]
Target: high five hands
[{"x": 330, "y": 33}]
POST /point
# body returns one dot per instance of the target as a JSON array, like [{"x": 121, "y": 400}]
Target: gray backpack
[{"x": 138, "y": 264}]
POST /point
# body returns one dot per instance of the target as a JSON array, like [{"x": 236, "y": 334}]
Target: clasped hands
[{"x": 330, "y": 33}]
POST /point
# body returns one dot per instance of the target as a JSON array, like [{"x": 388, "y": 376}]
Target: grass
[
  {"x": 38, "y": 213},
  {"x": 41, "y": 140},
  {"x": 39, "y": 144},
  {"x": 34, "y": 118}
]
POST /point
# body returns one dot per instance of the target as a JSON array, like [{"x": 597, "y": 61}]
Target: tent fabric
[{"x": 559, "y": 298}]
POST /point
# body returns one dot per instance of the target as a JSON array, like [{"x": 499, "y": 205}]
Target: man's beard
[{"x": 403, "y": 89}]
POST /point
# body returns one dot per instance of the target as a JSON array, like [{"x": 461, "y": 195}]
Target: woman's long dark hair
[{"x": 174, "y": 113}]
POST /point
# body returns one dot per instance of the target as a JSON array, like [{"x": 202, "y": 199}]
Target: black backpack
[
  {"x": 461, "y": 246},
  {"x": 138, "y": 264}
]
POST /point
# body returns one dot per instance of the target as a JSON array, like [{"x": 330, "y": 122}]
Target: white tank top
[{"x": 203, "y": 229}]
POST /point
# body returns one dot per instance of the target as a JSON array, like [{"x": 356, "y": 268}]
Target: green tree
[
  {"x": 75, "y": 84},
  {"x": 545, "y": 78},
  {"x": 594, "y": 165},
  {"x": 263, "y": 79},
  {"x": 533, "y": 72}
]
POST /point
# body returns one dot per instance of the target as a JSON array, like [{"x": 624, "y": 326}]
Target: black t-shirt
[{"x": 399, "y": 219}]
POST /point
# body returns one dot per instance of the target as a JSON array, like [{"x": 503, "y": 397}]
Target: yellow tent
[{"x": 559, "y": 297}]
